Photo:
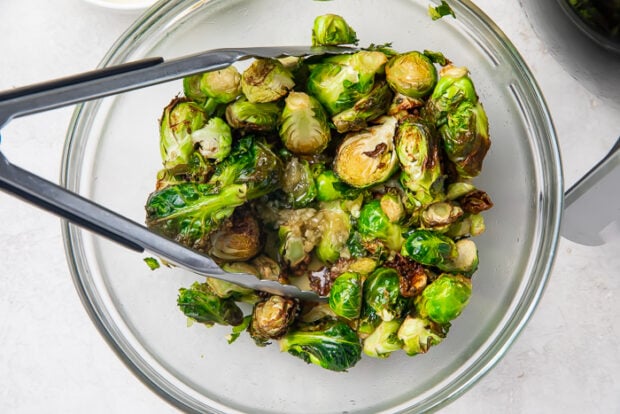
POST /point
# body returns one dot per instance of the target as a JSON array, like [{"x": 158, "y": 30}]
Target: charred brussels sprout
[
  {"x": 368, "y": 108},
  {"x": 418, "y": 154},
  {"x": 200, "y": 304},
  {"x": 330, "y": 344},
  {"x": 466, "y": 138},
  {"x": 445, "y": 298},
  {"x": 412, "y": 74},
  {"x": 304, "y": 129},
  {"x": 461, "y": 120},
  {"x": 238, "y": 239},
  {"x": 418, "y": 334},
  {"x": 214, "y": 140},
  {"x": 178, "y": 122},
  {"x": 373, "y": 223},
  {"x": 271, "y": 318},
  {"x": 368, "y": 157},
  {"x": 383, "y": 340},
  {"x": 253, "y": 117},
  {"x": 382, "y": 294},
  {"x": 331, "y": 30},
  {"x": 188, "y": 212},
  {"x": 340, "y": 81},
  {"x": 266, "y": 80},
  {"x": 345, "y": 296}
]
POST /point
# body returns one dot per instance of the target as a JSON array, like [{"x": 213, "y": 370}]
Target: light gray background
[{"x": 52, "y": 359}]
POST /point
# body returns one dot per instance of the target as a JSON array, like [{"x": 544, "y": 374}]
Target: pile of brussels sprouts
[{"x": 346, "y": 174}]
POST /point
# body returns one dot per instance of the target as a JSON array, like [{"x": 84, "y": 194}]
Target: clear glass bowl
[{"x": 112, "y": 157}]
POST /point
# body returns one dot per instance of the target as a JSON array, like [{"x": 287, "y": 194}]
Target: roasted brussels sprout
[
  {"x": 429, "y": 248},
  {"x": 335, "y": 226},
  {"x": 214, "y": 140},
  {"x": 439, "y": 216},
  {"x": 418, "y": 334},
  {"x": 461, "y": 120},
  {"x": 392, "y": 206},
  {"x": 304, "y": 129},
  {"x": 330, "y": 187},
  {"x": 383, "y": 340},
  {"x": 266, "y": 80},
  {"x": 368, "y": 108},
  {"x": 466, "y": 138},
  {"x": 298, "y": 183},
  {"x": 435, "y": 249},
  {"x": 223, "y": 86},
  {"x": 368, "y": 157},
  {"x": 345, "y": 296},
  {"x": 340, "y": 81},
  {"x": 373, "y": 223},
  {"x": 444, "y": 299},
  {"x": 418, "y": 154},
  {"x": 253, "y": 117},
  {"x": 238, "y": 239},
  {"x": 272, "y": 318},
  {"x": 382, "y": 294},
  {"x": 178, "y": 122},
  {"x": 198, "y": 303},
  {"x": 412, "y": 74},
  {"x": 331, "y": 30},
  {"x": 330, "y": 344}
]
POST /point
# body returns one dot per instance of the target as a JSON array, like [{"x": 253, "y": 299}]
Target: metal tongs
[{"x": 88, "y": 214}]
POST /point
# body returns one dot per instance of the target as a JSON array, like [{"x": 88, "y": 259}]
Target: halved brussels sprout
[
  {"x": 368, "y": 157},
  {"x": 331, "y": 30},
  {"x": 368, "y": 108},
  {"x": 418, "y": 154},
  {"x": 466, "y": 138},
  {"x": 340, "y": 81},
  {"x": 418, "y": 334},
  {"x": 439, "y": 216},
  {"x": 214, "y": 140},
  {"x": 383, "y": 340},
  {"x": 304, "y": 129},
  {"x": 238, "y": 239},
  {"x": 179, "y": 120},
  {"x": 266, "y": 80},
  {"x": 392, "y": 206},
  {"x": 248, "y": 116},
  {"x": 412, "y": 74}
]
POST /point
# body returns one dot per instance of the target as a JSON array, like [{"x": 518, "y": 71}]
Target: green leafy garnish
[
  {"x": 152, "y": 263},
  {"x": 440, "y": 11}
]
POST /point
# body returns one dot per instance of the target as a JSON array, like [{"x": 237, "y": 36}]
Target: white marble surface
[{"x": 52, "y": 359}]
